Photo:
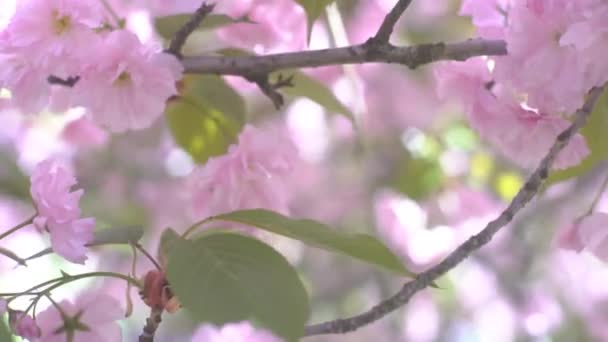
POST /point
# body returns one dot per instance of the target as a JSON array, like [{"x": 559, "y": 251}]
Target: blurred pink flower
[
  {"x": 3, "y": 306},
  {"x": 83, "y": 132},
  {"x": 489, "y": 16},
  {"x": 92, "y": 319},
  {"x": 252, "y": 174},
  {"x": 589, "y": 233},
  {"x": 125, "y": 84},
  {"x": 278, "y": 25},
  {"x": 233, "y": 332},
  {"x": 58, "y": 210},
  {"x": 396, "y": 99},
  {"x": 24, "y": 325},
  {"x": 567, "y": 238},
  {"x": 593, "y": 234},
  {"x": 27, "y": 82}
]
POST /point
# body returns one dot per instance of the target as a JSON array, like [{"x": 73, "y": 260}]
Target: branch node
[
  {"x": 388, "y": 25},
  {"x": 180, "y": 37},
  {"x": 270, "y": 89}
]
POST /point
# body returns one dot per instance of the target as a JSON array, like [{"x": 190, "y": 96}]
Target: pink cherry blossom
[
  {"x": 97, "y": 312},
  {"x": 568, "y": 238},
  {"x": 590, "y": 37},
  {"x": 49, "y": 30},
  {"x": 39, "y": 41},
  {"x": 253, "y": 174},
  {"x": 58, "y": 210},
  {"x": 521, "y": 134},
  {"x": 50, "y": 190},
  {"x": 233, "y": 332},
  {"x": 527, "y": 136},
  {"x": 70, "y": 239},
  {"x": 126, "y": 84},
  {"x": 541, "y": 64},
  {"x": 24, "y": 325}
]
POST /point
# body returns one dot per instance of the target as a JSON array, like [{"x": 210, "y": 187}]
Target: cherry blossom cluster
[
  {"x": 59, "y": 54},
  {"x": 58, "y": 210},
  {"x": 553, "y": 60}
]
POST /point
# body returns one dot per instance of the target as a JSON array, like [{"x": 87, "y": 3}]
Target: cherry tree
[{"x": 258, "y": 170}]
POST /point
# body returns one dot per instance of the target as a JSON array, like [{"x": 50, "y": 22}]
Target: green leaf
[
  {"x": 418, "y": 178},
  {"x": 359, "y": 246},
  {"x": 228, "y": 277},
  {"x": 207, "y": 116},
  {"x": 167, "y": 240},
  {"x": 167, "y": 26},
  {"x": 595, "y": 135},
  {"x": 306, "y": 86},
  {"x": 313, "y": 9},
  {"x": 5, "y": 334},
  {"x": 108, "y": 236}
]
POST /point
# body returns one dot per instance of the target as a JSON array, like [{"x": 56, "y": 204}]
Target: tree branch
[
  {"x": 152, "y": 323},
  {"x": 424, "y": 279},
  {"x": 411, "y": 56},
  {"x": 388, "y": 25},
  {"x": 180, "y": 37}
]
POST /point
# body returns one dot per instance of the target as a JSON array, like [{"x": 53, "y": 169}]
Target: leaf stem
[{"x": 19, "y": 226}]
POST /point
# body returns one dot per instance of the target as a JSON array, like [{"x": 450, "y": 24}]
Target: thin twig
[
  {"x": 147, "y": 255},
  {"x": 180, "y": 37},
  {"x": 411, "y": 56},
  {"x": 270, "y": 89},
  {"x": 152, "y": 323},
  {"x": 388, "y": 25},
  {"x": 67, "y": 82},
  {"x": 19, "y": 226},
  {"x": 424, "y": 279}
]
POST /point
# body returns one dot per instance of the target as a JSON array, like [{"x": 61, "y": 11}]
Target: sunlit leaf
[
  {"x": 595, "y": 135},
  {"x": 227, "y": 277},
  {"x": 207, "y": 116},
  {"x": 306, "y": 86},
  {"x": 167, "y": 26},
  {"x": 508, "y": 184},
  {"x": 359, "y": 246},
  {"x": 313, "y": 9},
  {"x": 418, "y": 178}
]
